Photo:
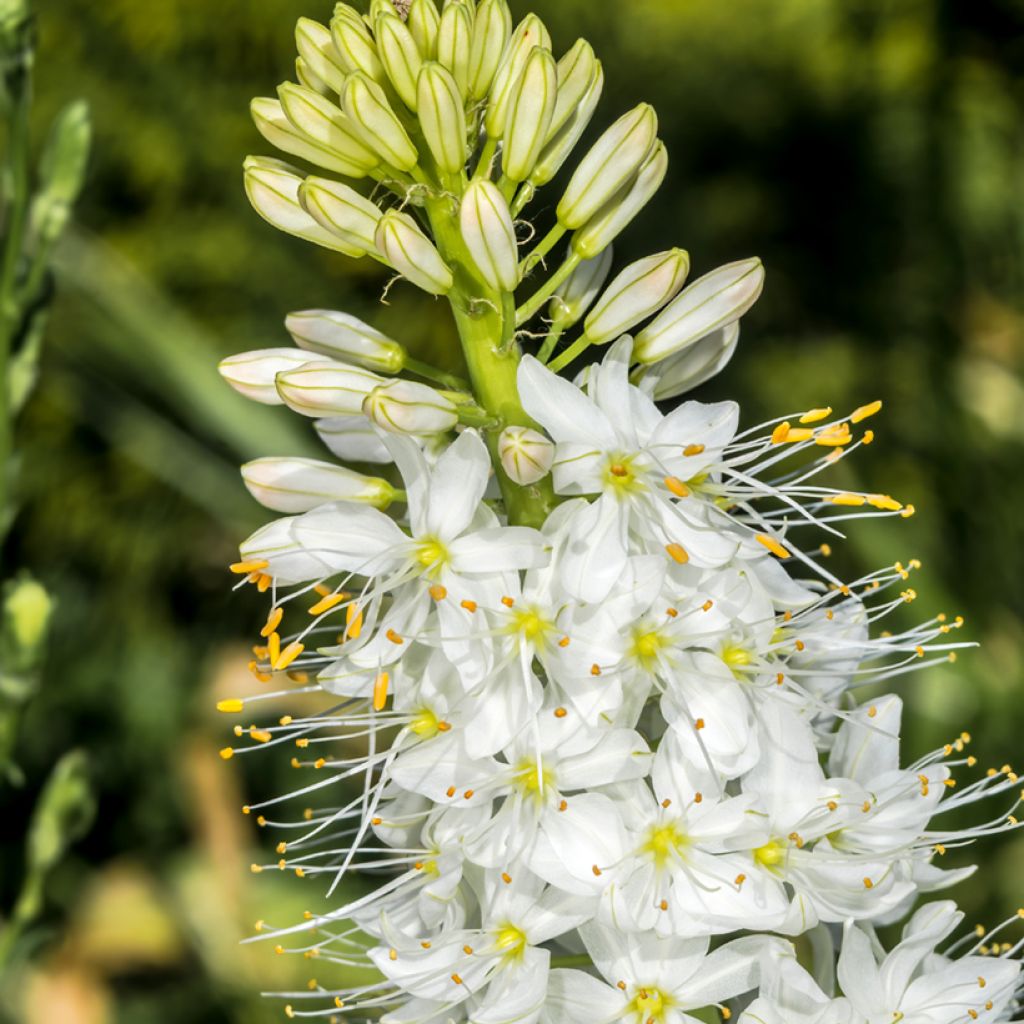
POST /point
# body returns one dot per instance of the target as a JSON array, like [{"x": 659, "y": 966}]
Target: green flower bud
[
  {"x": 309, "y": 78},
  {"x": 577, "y": 295},
  {"x": 442, "y": 117},
  {"x": 491, "y": 31},
  {"x": 424, "y": 22},
  {"x": 530, "y": 32},
  {"x": 323, "y": 388},
  {"x": 558, "y": 150},
  {"x": 454, "y": 38},
  {"x": 695, "y": 364},
  {"x": 531, "y": 107},
  {"x": 526, "y": 455},
  {"x": 609, "y": 166},
  {"x": 27, "y": 609},
  {"x": 576, "y": 73},
  {"x": 345, "y": 337},
  {"x": 367, "y": 106},
  {"x": 401, "y": 242},
  {"x": 62, "y": 815},
  {"x": 617, "y": 215},
  {"x": 406, "y": 407},
  {"x": 489, "y": 235},
  {"x": 254, "y": 374},
  {"x": 711, "y": 302},
  {"x": 636, "y": 293},
  {"x": 61, "y": 171},
  {"x": 277, "y": 128},
  {"x": 322, "y": 122},
  {"x": 293, "y": 485},
  {"x": 341, "y": 210},
  {"x": 355, "y": 46},
  {"x": 400, "y": 56},
  {"x": 316, "y": 48},
  {"x": 273, "y": 189}
]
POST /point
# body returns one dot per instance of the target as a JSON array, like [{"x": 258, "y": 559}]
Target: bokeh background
[{"x": 870, "y": 151}]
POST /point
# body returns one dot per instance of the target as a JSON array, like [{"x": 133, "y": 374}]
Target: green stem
[
  {"x": 542, "y": 294},
  {"x": 526, "y": 193},
  {"x": 483, "y": 165},
  {"x": 576, "y": 349},
  {"x": 546, "y": 244},
  {"x": 447, "y": 380},
  {"x": 557, "y": 330},
  {"x": 580, "y": 960}
]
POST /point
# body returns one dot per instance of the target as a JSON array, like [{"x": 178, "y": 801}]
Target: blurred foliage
[{"x": 870, "y": 151}]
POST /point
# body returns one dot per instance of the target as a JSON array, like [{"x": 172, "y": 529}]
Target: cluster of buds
[{"x": 564, "y": 675}]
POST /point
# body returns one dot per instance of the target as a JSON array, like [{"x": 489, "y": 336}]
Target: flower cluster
[{"x": 574, "y": 690}]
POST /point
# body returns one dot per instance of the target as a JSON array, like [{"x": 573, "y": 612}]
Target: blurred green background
[{"x": 870, "y": 151}]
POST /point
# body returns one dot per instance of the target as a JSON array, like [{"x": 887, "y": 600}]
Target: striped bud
[
  {"x": 316, "y": 49},
  {"x": 401, "y": 242},
  {"x": 609, "y": 166},
  {"x": 526, "y": 456},
  {"x": 454, "y": 38},
  {"x": 254, "y": 374},
  {"x": 491, "y": 31},
  {"x": 367, "y": 106},
  {"x": 489, "y": 235},
  {"x": 322, "y": 121},
  {"x": 320, "y": 388},
  {"x": 442, "y": 117},
  {"x": 712, "y": 301},
  {"x": 273, "y": 189},
  {"x": 293, "y": 485},
  {"x": 423, "y": 23},
  {"x": 400, "y": 56},
  {"x": 576, "y": 71},
  {"x": 354, "y": 439},
  {"x": 696, "y": 363},
  {"x": 636, "y": 293},
  {"x": 530, "y": 32},
  {"x": 331, "y": 333},
  {"x": 563, "y": 142},
  {"x": 406, "y": 407},
  {"x": 341, "y": 210},
  {"x": 577, "y": 295},
  {"x": 531, "y": 107},
  {"x": 309, "y": 78},
  {"x": 355, "y": 46},
  {"x": 617, "y": 215}
]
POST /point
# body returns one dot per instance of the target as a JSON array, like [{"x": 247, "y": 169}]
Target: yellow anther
[
  {"x": 677, "y": 487},
  {"x": 394, "y": 637},
  {"x": 273, "y": 648},
  {"x": 438, "y": 593},
  {"x": 260, "y": 735},
  {"x": 380, "y": 691},
  {"x": 772, "y": 545},
  {"x": 865, "y": 411},
  {"x": 560, "y": 712},
  {"x": 884, "y": 502},
  {"x": 353, "y": 621},
  {"x": 470, "y": 606},
  {"x": 853, "y": 500},
  {"x": 329, "y": 601},
  {"x": 302, "y": 742},
  {"x": 677, "y": 553},
  {"x": 595, "y": 669},
  {"x": 319, "y": 763},
  {"x": 246, "y": 568},
  {"x": 288, "y": 655},
  {"x": 868, "y": 884},
  {"x": 826, "y": 550},
  {"x": 816, "y": 415},
  {"x": 227, "y": 753},
  {"x": 506, "y": 878},
  {"x": 285, "y": 720},
  {"x": 230, "y": 707},
  {"x": 869, "y": 437},
  {"x": 263, "y": 583},
  {"x": 273, "y": 621},
  {"x": 780, "y": 433},
  {"x": 693, "y": 449},
  {"x": 839, "y": 434}
]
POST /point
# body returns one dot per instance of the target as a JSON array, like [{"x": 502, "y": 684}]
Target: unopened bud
[
  {"x": 310, "y": 79},
  {"x": 61, "y": 171},
  {"x": 489, "y": 235},
  {"x": 577, "y": 295},
  {"x": 341, "y": 210},
  {"x": 353, "y": 438},
  {"x": 365, "y": 103},
  {"x": 526, "y": 456},
  {"x": 316, "y": 48},
  {"x": 406, "y": 407},
  {"x": 293, "y": 485},
  {"x": 442, "y": 117},
  {"x": 531, "y": 107},
  {"x": 609, "y": 166},
  {"x": 254, "y": 374},
  {"x": 345, "y": 337},
  {"x": 491, "y": 30},
  {"x": 423, "y": 23},
  {"x": 319, "y": 388},
  {"x": 355, "y": 46},
  {"x": 618, "y": 214},
  {"x": 400, "y": 56},
  {"x": 454, "y": 38},
  {"x": 530, "y": 32},
  {"x": 576, "y": 71},
  {"x": 401, "y": 242},
  {"x": 636, "y": 293},
  {"x": 273, "y": 190},
  {"x": 711, "y": 302},
  {"x": 323, "y": 123},
  {"x": 563, "y": 142},
  {"x": 695, "y": 364}
]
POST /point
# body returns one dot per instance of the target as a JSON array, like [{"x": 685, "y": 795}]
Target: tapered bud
[
  {"x": 489, "y": 235},
  {"x": 345, "y": 337},
  {"x": 423, "y": 23},
  {"x": 401, "y": 242},
  {"x": 491, "y": 31},
  {"x": 321, "y": 388},
  {"x": 254, "y": 374},
  {"x": 293, "y": 485},
  {"x": 609, "y": 166},
  {"x": 273, "y": 190},
  {"x": 531, "y": 107},
  {"x": 712, "y": 301},
  {"x": 400, "y": 56},
  {"x": 406, "y": 407},
  {"x": 442, "y": 117},
  {"x": 563, "y": 142},
  {"x": 367, "y": 106},
  {"x": 355, "y": 46},
  {"x": 309, "y": 78},
  {"x": 526, "y": 456},
  {"x": 354, "y": 439},
  {"x": 530, "y": 32},
  {"x": 577, "y": 295},
  {"x": 316, "y": 48},
  {"x": 637, "y": 293},
  {"x": 696, "y": 363},
  {"x": 576, "y": 71},
  {"x": 269, "y": 117},
  {"x": 323, "y": 122},
  {"x": 341, "y": 210},
  {"x": 454, "y": 38},
  {"x": 61, "y": 171},
  {"x": 617, "y": 215}
]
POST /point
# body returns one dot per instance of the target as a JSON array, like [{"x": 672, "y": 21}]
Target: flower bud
[
  {"x": 401, "y": 242},
  {"x": 696, "y": 363},
  {"x": 530, "y": 32},
  {"x": 636, "y": 293},
  {"x": 617, "y": 215},
  {"x": 454, "y": 38},
  {"x": 254, "y": 374},
  {"x": 273, "y": 189},
  {"x": 365, "y": 103},
  {"x": 442, "y": 117},
  {"x": 355, "y": 46},
  {"x": 61, "y": 171},
  {"x": 489, "y": 235},
  {"x": 322, "y": 122},
  {"x": 609, "y": 166},
  {"x": 526, "y": 456},
  {"x": 491, "y": 30},
  {"x": 400, "y": 56},
  {"x": 577, "y": 295},
  {"x": 576, "y": 71},
  {"x": 316, "y": 48},
  {"x": 272, "y": 123},
  {"x": 406, "y": 407},
  {"x": 341, "y": 210},
  {"x": 423, "y": 23},
  {"x": 323, "y": 388},
  {"x": 563, "y": 142},
  {"x": 309, "y": 78},
  {"x": 712, "y": 301},
  {"x": 293, "y": 485},
  {"x": 531, "y": 107},
  {"x": 345, "y": 337},
  {"x": 354, "y": 439}
]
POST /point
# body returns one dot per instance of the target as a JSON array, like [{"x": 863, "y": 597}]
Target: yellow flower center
[
  {"x": 531, "y": 625},
  {"x": 646, "y": 646},
  {"x": 650, "y": 1005},
  {"x": 511, "y": 941},
  {"x": 531, "y": 780},
  {"x": 431, "y": 554},
  {"x": 737, "y": 658},
  {"x": 425, "y": 724},
  {"x": 620, "y": 476},
  {"x": 771, "y": 854},
  {"x": 663, "y": 841}
]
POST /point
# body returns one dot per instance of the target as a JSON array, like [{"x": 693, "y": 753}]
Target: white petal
[
  {"x": 561, "y": 408},
  {"x": 457, "y": 486}
]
